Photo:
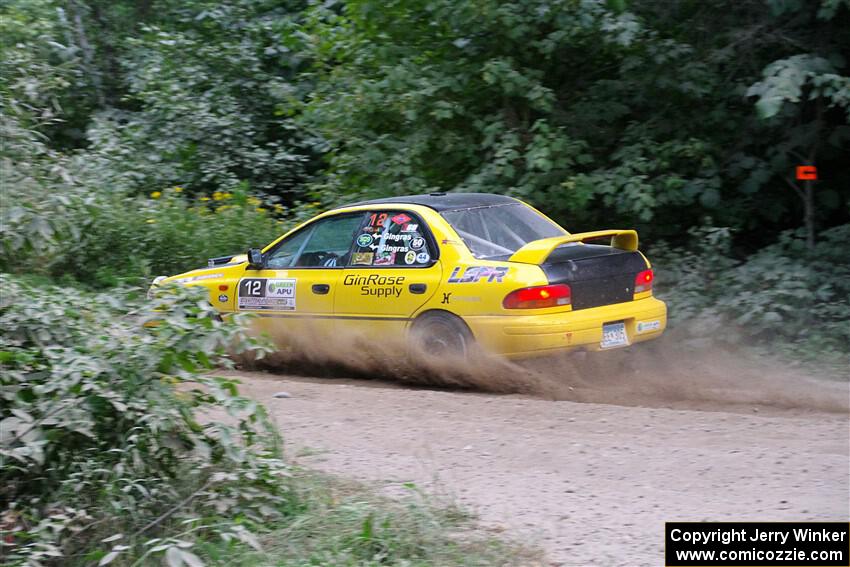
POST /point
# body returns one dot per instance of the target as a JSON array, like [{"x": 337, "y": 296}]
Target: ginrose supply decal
[{"x": 757, "y": 544}]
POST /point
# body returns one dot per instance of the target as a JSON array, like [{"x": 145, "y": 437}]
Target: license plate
[{"x": 614, "y": 335}]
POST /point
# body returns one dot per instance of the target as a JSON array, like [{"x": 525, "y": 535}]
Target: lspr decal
[{"x": 474, "y": 274}]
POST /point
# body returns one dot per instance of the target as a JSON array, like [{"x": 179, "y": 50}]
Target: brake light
[
  {"x": 538, "y": 297},
  {"x": 643, "y": 281}
]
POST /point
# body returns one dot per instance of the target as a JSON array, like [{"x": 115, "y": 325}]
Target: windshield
[{"x": 497, "y": 232}]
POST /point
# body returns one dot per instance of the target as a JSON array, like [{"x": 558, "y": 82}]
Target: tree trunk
[{"x": 88, "y": 52}]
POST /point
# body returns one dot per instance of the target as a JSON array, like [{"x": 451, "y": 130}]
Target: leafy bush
[
  {"x": 100, "y": 439},
  {"x": 117, "y": 447},
  {"x": 138, "y": 237},
  {"x": 782, "y": 293},
  {"x": 59, "y": 218},
  {"x": 106, "y": 238}
]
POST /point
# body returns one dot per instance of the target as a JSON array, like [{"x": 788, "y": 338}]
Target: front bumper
[{"x": 522, "y": 336}]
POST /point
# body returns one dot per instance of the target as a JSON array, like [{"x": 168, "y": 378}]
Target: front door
[
  {"x": 294, "y": 294},
  {"x": 392, "y": 272}
]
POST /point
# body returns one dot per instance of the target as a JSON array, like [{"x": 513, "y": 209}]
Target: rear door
[
  {"x": 295, "y": 291},
  {"x": 393, "y": 270}
]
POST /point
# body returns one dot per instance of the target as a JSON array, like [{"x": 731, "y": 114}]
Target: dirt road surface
[{"x": 591, "y": 484}]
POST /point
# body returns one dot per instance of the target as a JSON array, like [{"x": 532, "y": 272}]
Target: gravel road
[{"x": 592, "y": 484}]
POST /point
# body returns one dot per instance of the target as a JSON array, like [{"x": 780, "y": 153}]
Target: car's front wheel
[{"x": 439, "y": 333}]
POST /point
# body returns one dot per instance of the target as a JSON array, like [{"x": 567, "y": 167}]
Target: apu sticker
[
  {"x": 364, "y": 240},
  {"x": 264, "y": 294},
  {"x": 410, "y": 257},
  {"x": 474, "y": 274}
]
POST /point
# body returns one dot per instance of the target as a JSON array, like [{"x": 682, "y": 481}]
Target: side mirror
[{"x": 255, "y": 259}]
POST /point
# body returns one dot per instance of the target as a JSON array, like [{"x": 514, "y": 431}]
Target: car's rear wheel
[{"x": 439, "y": 333}]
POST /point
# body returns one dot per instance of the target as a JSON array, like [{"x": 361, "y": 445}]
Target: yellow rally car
[{"x": 450, "y": 269}]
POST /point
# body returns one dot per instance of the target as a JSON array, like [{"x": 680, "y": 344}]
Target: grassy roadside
[
  {"x": 107, "y": 456},
  {"x": 345, "y": 523}
]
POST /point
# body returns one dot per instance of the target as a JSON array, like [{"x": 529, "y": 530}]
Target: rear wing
[{"x": 537, "y": 251}]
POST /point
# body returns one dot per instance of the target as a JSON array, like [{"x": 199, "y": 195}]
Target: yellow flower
[
  {"x": 156, "y": 194},
  {"x": 278, "y": 208},
  {"x": 204, "y": 199},
  {"x": 260, "y": 210},
  {"x": 178, "y": 189},
  {"x": 218, "y": 196},
  {"x": 226, "y": 195},
  {"x": 150, "y": 221},
  {"x": 253, "y": 201}
]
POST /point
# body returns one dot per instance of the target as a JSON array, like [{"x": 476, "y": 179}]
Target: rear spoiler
[{"x": 537, "y": 251}]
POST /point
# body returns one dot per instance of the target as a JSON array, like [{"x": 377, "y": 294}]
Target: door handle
[
  {"x": 321, "y": 288},
  {"x": 417, "y": 288}
]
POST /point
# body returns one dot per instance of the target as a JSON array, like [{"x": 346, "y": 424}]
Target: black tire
[{"x": 438, "y": 333}]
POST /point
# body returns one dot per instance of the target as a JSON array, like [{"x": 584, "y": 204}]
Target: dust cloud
[{"x": 663, "y": 373}]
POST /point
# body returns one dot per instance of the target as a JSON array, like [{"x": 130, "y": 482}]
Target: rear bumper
[{"x": 521, "y": 336}]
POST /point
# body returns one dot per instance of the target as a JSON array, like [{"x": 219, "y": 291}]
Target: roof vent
[{"x": 437, "y": 194}]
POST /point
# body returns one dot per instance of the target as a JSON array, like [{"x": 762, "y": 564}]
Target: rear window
[{"x": 496, "y": 232}]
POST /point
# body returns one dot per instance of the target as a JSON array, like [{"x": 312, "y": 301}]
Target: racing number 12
[
  {"x": 254, "y": 288},
  {"x": 376, "y": 220}
]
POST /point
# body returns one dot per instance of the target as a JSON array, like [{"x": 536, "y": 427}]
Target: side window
[
  {"x": 391, "y": 238},
  {"x": 283, "y": 256},
  {"x": 324, "y": 244}
]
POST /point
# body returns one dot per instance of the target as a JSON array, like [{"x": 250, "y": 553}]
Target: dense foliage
[
  {"x": 100, "y": 433},
  {"x": 784, "y": 295},
  {"x": 118, "y": 446},
  {"x": 635, "y": 112}
]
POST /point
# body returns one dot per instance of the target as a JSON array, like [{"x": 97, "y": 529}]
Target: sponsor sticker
[
  {"x": 362, "y": 258},
  {"x": 410, "y": 227},
  {"x": 364, "y": 240},
  {"x": 199, "y": 278},
  {"x": 423, "y": 258},
  {"x": 384, "y": 258},
  {"x": 401, "y": 219},
  {"x": 410, "y": 257},
  {"x": 266, "y": 294},
  {"x": 376, "y": 285},
  {"x": 223, "y": 298},
  {"x": 475, "y": 274},
  {"x": 645, "y": 326},
  {"x": 417, "y": 243}
]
